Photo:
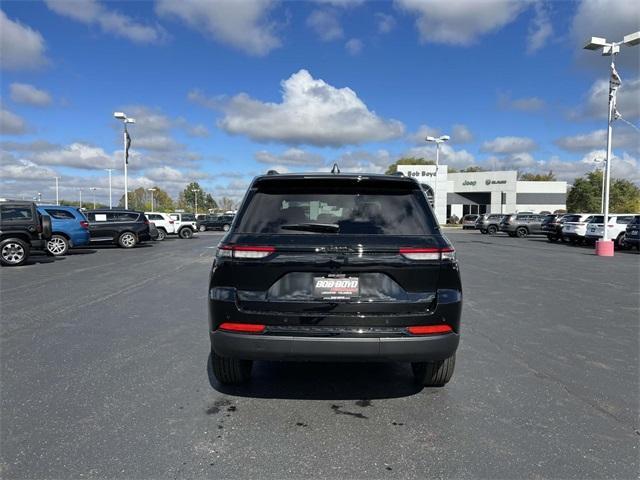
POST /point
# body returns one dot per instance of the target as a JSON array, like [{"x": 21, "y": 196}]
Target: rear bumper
[{"x": 274, "y": 347}]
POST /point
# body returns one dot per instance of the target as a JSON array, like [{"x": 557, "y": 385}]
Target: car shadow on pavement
[
  {"x": 41, "y": 259},
  {"x": 323, "y": 381},
  {"x": 81, "y": 251}
]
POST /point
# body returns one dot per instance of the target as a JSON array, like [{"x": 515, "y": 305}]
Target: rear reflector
[
  {"x": 84, "y": 224},
  {"x": 446, "y": 253},
  {"x": 429, "y": 329},
  {"x": 245, "y": 251},
  {"x": 242, "y": 327}
]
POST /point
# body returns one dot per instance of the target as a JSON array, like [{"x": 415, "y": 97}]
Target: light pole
[
  {"x": 596, "y": 162},
  {"x": 126, "y": 142},
  {"x": 93, "y": 189},
  {"x": 110, "y": 202},
  {"x": 196, "y": 190},
  {"x": 437, "y": 141},
  {"x": 604, "y": 247},
  {"x": 57, "y": 196},
  {"x": 152, "y": 190},
  {"x": 80, "y": 190}
]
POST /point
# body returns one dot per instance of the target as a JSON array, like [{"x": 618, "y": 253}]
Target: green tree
[
  {"x": 140, "y": 199},
  {"x": 210, "y": 203},
  {"x": 393, "y": 168},
  {"x": 188, "y": 197},
  {"x": 586, "y": 193},
  {"x": 537, "y": 177},
  {"x": 472, "y": 169}
]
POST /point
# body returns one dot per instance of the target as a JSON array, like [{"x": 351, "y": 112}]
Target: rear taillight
[
  {"x": 170, "y": 222},
  {"x": 242, "y": 327},
  {"x": 446, "y": 253},
  {"x": 84, "y": 224},
  {"x": 146, "y": 222},
  {"x": 245, "y": 251},
  {"x": 429, "y": 329}
]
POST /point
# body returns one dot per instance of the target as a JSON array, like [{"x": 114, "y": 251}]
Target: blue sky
[{"x": 225, "y": 90}]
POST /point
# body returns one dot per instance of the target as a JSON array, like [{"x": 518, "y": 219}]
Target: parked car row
[
  {"x": 576, "y": 228},
  {"x": 54, "y": 229}
]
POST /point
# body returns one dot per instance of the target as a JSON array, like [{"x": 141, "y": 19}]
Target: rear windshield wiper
[{"x": 312, "y": 227}]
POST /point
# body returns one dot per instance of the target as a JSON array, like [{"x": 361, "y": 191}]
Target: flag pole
[{"x": 126, "y": 184}]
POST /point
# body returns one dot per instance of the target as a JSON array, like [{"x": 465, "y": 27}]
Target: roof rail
[{"x": 272, "y": 172}]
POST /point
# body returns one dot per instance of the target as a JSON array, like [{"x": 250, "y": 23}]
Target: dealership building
[{"x": 485, "y": 192}]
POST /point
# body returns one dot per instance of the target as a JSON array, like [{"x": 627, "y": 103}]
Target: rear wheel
[
  {"x": 552, "y": 238},
  {"x": 620, "y": 243},
  {"x": 483, "y": 231},
  {"x": 434, "y": 374},
  {"x": 127, "y": 240},
  {"x": 186, "y": 233},
  {"x": 161, "y": 235},
  {"x": 202, "y": 228},
  {"x": 492, "y": 229},
  {"x": 522, "y": 232},
  {"x": 57, "y": 245},
  {"x": 13, "y": 252},
  {"x": 226, "y": 227},
  {"x": 230, "y": 371}
]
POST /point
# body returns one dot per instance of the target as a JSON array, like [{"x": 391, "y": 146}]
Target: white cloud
[
  {"x": 21, "y": 47},
  {"x": 595, "y": 105},
  {"x": 525, "y": 104},
  {"x": 341, "y": 3},
  {"x": 512, "y": 161},
  {"x": 622, "y": 138},
  {"x": 197, "y": 131},
  {"x": 311, "y": 112},
  {"x": 540, "y": 29},
  {"x": 243, "y": 25},
  {"x": 423, "y": 131},
  {"x": 291, "y": 157},
  {"x": 461, "y": 134},
  {"x": 10, "y": 123},
  {"x": 92, "y": 12},
  {"x": 611, "y": 19},
  {"x": 326, "y": 25},
  {"x": 461, "y": 22},
  {"x": 386, "y": 23},
  {"x": 448, "y": 155},
  {"x": 506, "y": 145},
  {"x": 354, "y": 46},
  {"x": 364, "y": 162},
  {"x": 78, "y": 155},
  {"x": 25, "y": 93},
  {"x": 24, "y": 171}
]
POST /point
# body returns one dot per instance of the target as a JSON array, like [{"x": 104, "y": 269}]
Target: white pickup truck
[{"x": 185, "y": 224}]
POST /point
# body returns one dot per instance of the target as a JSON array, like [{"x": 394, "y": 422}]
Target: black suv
[
  {"x": 223, "y": 222},
  {"x": 335, "y": 268},
  {"x": 126, "y": 228},
  {"x": 22, "y": 229},
  {"x": 552, "y": 226}
]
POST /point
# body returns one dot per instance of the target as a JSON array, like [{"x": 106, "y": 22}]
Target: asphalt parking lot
[{"x": 105, "y": 375}]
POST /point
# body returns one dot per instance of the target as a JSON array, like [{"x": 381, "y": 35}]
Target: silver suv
[
  {"x": 522, "y": 224},
  {"x": 490, "y": 223}
]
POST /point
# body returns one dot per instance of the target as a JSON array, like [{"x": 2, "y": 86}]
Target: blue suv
[{"x": 69, "y": 228}]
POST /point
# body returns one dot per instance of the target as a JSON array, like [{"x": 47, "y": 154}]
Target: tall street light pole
[
  {"x": 152, "y": 190},
  {"x": 80, "y": 190},
  {"x": 437, "y": 141},
  {"x": 57, "y": 195},
  {"x": 604, "y": 247},
  {"x": 93, "y": 189},
  {"x": 110, "y": 202},
  {"x": 195, "y": 190},
  {"x": 125, "y": 155}
]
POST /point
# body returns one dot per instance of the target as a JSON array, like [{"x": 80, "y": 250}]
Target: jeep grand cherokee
[{"x": 335, "y": 268}]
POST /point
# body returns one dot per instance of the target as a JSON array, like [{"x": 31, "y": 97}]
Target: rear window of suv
[{"x": 310, "y": 207}]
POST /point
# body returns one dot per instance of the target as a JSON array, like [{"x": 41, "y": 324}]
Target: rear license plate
[
  {"x": 336, "y": 288},
  {"x": 634, "y": 232}
]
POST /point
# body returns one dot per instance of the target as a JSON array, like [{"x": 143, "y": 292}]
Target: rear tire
[
  {"x": 230, "y": 371},
  {"x": 13, "y": 252},
  {"x": 127, "y": 240},
  {"x": 492, "y": 229},
  {"x": 185, "y": 233},
  {"x": 620, "y": 243},
  {"x": 57, "y": 245},
  {"x": 226, "y": 227},
  {"x": 161, "y": 235},
  {"x": 202, "y": 228},
  {"x": 522, "y": 232},
  {"x": 434, "y": 374}
]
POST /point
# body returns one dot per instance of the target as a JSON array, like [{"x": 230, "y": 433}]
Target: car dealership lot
[{"x": 105, "y": 375}]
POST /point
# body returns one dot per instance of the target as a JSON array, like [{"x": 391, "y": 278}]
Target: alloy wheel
[
  {"x": 128, "y": 240},
  {"x": 56, "y": 246},
  {"x": 13, "y": 252}
]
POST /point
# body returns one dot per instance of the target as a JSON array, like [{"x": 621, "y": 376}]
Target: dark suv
[
  {"x": 335, "y": 268},
  {"x": 126, "y": 228},
  {"x": 552, "y": 226},
  {"x": 22, "y": 229},
  {"x": 222, "y": 222},
  {"x": 522, "y": 224}
]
